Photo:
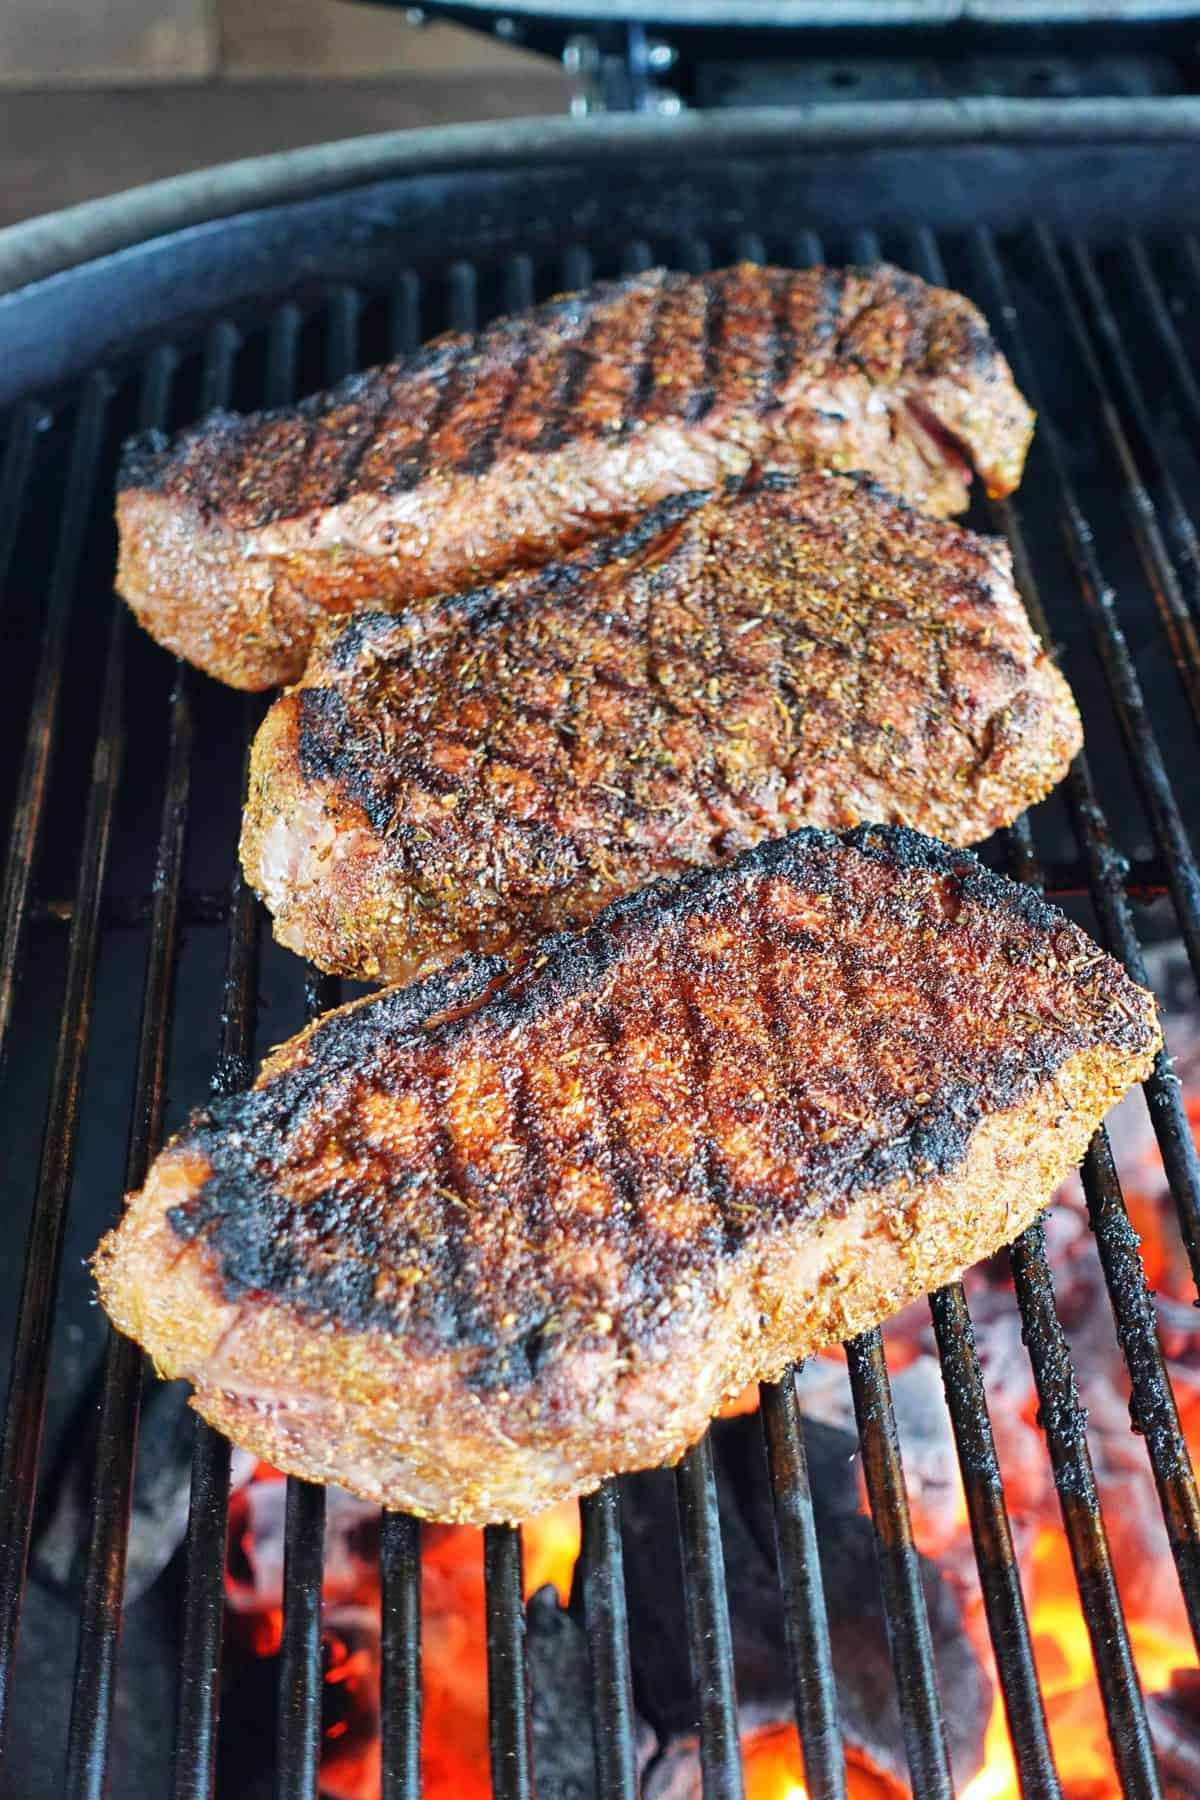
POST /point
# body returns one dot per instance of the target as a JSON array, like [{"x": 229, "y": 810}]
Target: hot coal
[
  {"x": 162, "y": 1486},
  {"x": 143, "y": 1731},
  {"x": 867, "y": 1706},
  {"x": 1175, "y": 1727},
  {"x": 930, "y": 1458},
  {"x": 560, "y": 1679}
]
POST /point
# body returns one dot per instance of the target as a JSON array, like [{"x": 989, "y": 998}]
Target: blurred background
[{"x": 96, "y": 95}]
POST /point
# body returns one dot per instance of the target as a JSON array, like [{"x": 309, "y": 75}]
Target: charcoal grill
[{"x": 122, "y": 774}]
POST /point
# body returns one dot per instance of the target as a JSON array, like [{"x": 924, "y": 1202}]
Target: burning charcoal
[
  {"x": 1175, "y": 1727},
  {"x": 351, "y": 1752},
  {"x": 867, "y": 1706},
  {"x": 865, "y": 1683},
  {"x": 926, "y": 1437},
  {"x": 930, "y": 1457},
  {"x": 144, "y": 1710},
  {"x": 162, "y": 1486},
  {"x": 254, "y": 1581},
  {"x": 823, "y": 1388},
  {"x": 560, "y": 1679}
]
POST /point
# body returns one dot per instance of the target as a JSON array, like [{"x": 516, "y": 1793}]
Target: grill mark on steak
[
  {"x": 781, "y": 346},
  {"x": 647, "y": 351},
  {"x": 416, "y": 394},
  {"x": 457, "y": 1205},
  {"x": 504, "y": 449},
  {"x": 678, "y": 363},
  {"x": 946, "y": 1045},
  {"x": 589, "y": 358},
  {"x": 409, "y": 473},
  {"x": 713, "y": 349},
  {"x": 250, "y": 1138},
  {"x": 698, "y": 1074},
  {"x": 799, "y": 648},
  {"x": 249, "y": 475},
  {"x": 334, "y": 453},
  {"x": 361, "y": 440},
  {"x": 484, "y": 442},
  {"x": 618, "y": 347},
  {"x": 623, "y": 1170},
  {"x": 574, "y": 367}
]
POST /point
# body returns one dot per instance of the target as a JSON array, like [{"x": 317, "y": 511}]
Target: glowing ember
[{"x": 454, "y": 1661}]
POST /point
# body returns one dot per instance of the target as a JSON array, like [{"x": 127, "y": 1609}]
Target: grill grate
[{"x": 1064, "y": 533}]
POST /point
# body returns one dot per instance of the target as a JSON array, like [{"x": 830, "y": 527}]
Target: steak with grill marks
[
  {"x": 471, "y": 1246},
  {"x": 498, "y": 451},
  {"x": 506, "y": 762}
]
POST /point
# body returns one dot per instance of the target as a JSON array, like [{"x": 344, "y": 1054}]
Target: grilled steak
[
  {"x": 499, "y": 451},
  {"x": 470, "y": 1246},
  {"x": 506, "y": 762}
]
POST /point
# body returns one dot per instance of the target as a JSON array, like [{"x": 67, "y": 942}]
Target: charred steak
[
  {"x": 506, "y": 762},
  {"x": 488, "y": 453},
  {"x": 468, "y": 1247}
]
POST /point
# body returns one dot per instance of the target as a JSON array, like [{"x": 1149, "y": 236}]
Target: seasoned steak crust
[
  {"x": 487, "y": 453},
  {"x": 803, "y": 650},
  {"x": 471, "y": 1246}
]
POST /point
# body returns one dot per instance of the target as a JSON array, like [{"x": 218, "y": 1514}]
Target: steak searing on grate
[
  {"x": 498, "y": 451},
  {"x": 471, "y": 1246},
  {"x": 504, "y": 763}
]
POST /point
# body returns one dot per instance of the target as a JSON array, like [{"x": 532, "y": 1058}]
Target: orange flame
[{"x": 551, "y": 1542}]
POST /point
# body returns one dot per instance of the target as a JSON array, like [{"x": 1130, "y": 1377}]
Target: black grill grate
[{"x": 1111, "y": 487}]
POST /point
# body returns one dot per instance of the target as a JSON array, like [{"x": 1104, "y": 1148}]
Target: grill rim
[
  {"x": 60, "y": 242},
  {"x": 50, "y": 266}
]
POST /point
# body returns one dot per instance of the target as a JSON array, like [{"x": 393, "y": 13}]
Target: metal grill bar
[
  {"x": 14, "y": 478},
  {"x": 194, "y": 1776},
  {"x": 31, "y": 1350},
  {"x": 400, "y": 1676},
  {"x": 298, "y": 1761},
  {"x": 406, "y": 315},
  {"x": 1182, "y": 530},
  {"x": 43, "y": 706},
  {"x": 1183, "y": 375},
  {"x": 100, "y": 1614},
  {"x": 1099, "y": 599},
  {"x": 1191, "y": 259},
  {"x": 510, "y": 1722},
  {"x": 195, "y": 1772},
  {"x": 805, "y": 1618},
  {"x": 518, "y": 283},
  {"x": 994, "y": 1553},
  {"x": 1178, "y": 621},
  {"x": 899, "y": 1569},
  {"x": 607, "y": 1624},
  {"x": 1164, "y": 1099},
  {"x": 1065, "y": 1425},
  {"x": 710, "y": 1641},
  {"x": 1162, "y": 1091},
  {"x": 1153, "y": 1403},
  {"x": 1106, "y": 877}
]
